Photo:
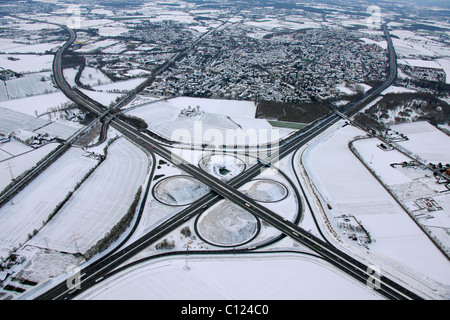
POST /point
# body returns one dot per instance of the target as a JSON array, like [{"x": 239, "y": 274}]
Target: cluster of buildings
[
  {"x": 424, "y": 73},
  {"x": 191, "y": 112},
  {"x": 32, "y": 139},
  {"x": 283, "y": 66}
]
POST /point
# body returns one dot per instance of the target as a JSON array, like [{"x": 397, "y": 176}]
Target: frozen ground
[
  {"x": 28, "y": 85},
  {"x": 256, "y": 277},
  {"x": 26, "y": 63},
  {"x": 11, "y": 121},
  {"x": 344, "y": 183},
  {"x": 100, "y": 202},
  {"x": 33, "y": 205},
  {"x": 61, "y": 129},
  {"x": 18, "y": 165}
]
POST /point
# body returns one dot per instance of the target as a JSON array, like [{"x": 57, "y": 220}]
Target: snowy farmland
[
  {"x": 100, "y": 202},
  {"x": 416, "y": 188},
  {"x": 10, "y": 46},
  {"x": 342, "y": 181},
  {"x": 61, "y": 129},
  {"x": 19, "y": 164},
  {"x": 28, "y": 85},
  {"x": 13, "y": 148},
  {"x": 220, "y": 122},
  {"x": 37, "y": 104},
  {"x": 26, "y": 63},
  {"x": 425, "y": 141},
  {"x": 11, "y": 121},
  {"x": 33, "y": 205},
  {"x": 255, "y": 277}
]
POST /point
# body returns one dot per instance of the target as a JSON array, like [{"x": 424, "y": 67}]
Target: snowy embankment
[
  {"x": 400, "y": 246},
  {"x": 237, "y": 277},
  {"x": 100, "y": 202},
  {"x": 33, "y": 205}
]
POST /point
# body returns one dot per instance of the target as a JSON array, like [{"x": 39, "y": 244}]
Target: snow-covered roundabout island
[
  {"x": 227, "y": 225},
  {"x": 265, "y": 190},
  {"x": 179, "y": 191}
]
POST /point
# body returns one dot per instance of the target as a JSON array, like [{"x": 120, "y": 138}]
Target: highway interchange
[{"x": 98, "y": 270}]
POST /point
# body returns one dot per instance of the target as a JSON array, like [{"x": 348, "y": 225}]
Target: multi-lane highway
[{"x": 97, "y": 270}]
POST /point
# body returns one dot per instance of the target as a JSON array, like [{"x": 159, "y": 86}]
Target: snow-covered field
[
  {"x": 445, "y": 64},
  {"x": 414, "y": 45},
  {"x": 18, "y": 165},
  {"x": 37, "y": 104},
  {"x": 120, "y": 86},
  {"x": 221, "y": 122},
  {"x": 33, "y": 205},
  {"x": 420, "y": 63},
  {"x": 12, "y": 149},
  {"x": 396, "y": 89},
  {"x": 342, "y": 181},
  {"x": 426, "y": 141},
  {"x": 100, "y": 202},
  {"x": 104, "y": 98},
  {"x": 255, "y": 277},
  {"x": 271, "y": 24},
  {"x": 93, "y": 77},
  {"x": 94, "y": 46},
  {"x": 411, "y": 186},
  {"x": 28, "y": 85},
  {"x": 26, "y": 63},
  {"x": 61, "y": 129},
  {"x": 10, "y": 46},
  {"x": 11, "y": 121},
  {"x": 265, "y": 190}
]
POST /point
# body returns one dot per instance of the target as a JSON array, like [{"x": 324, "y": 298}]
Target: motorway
[{"x": 96, "y": 271}]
